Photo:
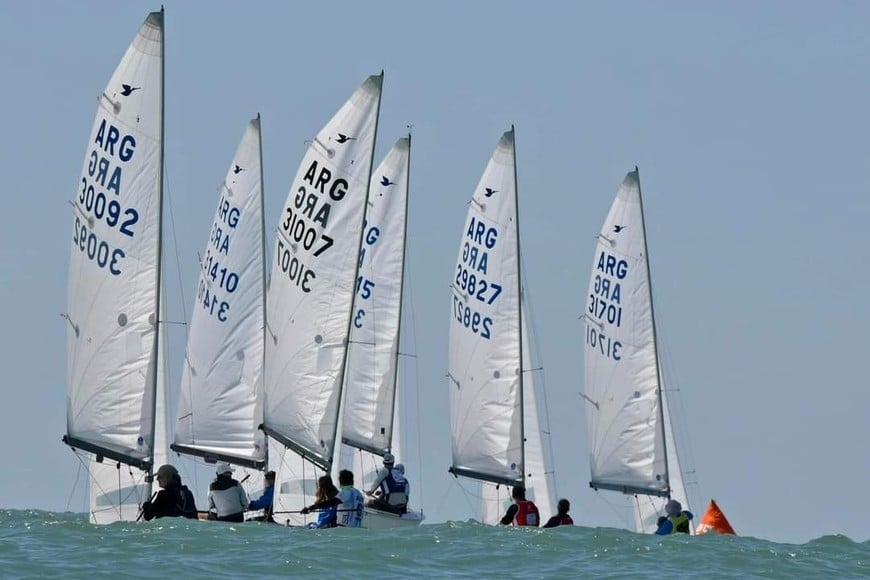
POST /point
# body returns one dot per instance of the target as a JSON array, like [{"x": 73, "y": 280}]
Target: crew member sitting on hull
[
  {"x": 227, "y": 500},
  {"x": 522, "y": 512},
  {"x": 391, "y": 490},
  {"x": 172, "y": 500},
  {"x": 677, "y": 521}
]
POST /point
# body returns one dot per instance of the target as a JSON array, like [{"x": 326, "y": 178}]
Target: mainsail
[
  {"x": 632, "y": 448},
  {"x": 311, "y": 289},
  {"x": 487, "y": 363},
  {"x": 220, "y": 406},
  {"x": 113, "y": 299},
  {"x": 373, "y": 352}
]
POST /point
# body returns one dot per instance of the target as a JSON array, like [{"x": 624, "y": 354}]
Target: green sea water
[{"x": 38, "y": 544}]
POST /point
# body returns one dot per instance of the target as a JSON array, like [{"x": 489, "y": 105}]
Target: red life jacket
[
  {"x": 527, "y": 514},
  {"x": 565, "y": 520}
]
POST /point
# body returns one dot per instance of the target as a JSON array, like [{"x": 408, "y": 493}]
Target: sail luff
[
  {"x": 655, "y": 347},
  {"x": 395, "y": 386},
  {"x": 521, "y": 314},
  {"x": 158, "y": 342}
]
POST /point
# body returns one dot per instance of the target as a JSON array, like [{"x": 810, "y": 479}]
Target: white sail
[
  {"x": 485, "y": 363},
  {"x": 220, "y": 399},
  {"x": 540, "y": 481},
  {"x": 313, "y": 277},
  {"x": 114, "y": 276},
  {"x": 629, "y": 427},
  {"x": 373, "y": 352},
  {"x": 295, "y": 485},
  {"x": 649, "y": 508}
]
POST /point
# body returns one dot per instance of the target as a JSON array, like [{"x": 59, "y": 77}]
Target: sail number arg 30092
[
  {"x": 605, "y": 305},
  {"x": 97, "y": 200},
  {"x": 306, "y": 219},
  {"x": 471, "y": 284}
]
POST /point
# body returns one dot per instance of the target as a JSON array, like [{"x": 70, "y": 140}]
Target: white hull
[{"x": 378, "y": 520}]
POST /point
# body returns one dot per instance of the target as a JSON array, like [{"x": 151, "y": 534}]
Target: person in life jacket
[
  {"x": 522, "y": 512},
  {"x": 677, "y": 520},
  {"x": 227, "y": 500},
  {"x": 349, "y": 501},
  {"x": 391, "y": 490},
  {"x": 561, "y": 518},
  {"x": 172, "y": 500}
]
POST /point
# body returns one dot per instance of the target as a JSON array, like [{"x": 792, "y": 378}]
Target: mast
[
  {"x": 520, "y": 312},
  {"x": 661, "y": 412},
  {"x": 158, "y": 312},
  {"x": 265, "y": 440}
]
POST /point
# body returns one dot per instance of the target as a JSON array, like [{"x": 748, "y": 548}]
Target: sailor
[
  {"x": 227, "y": 500},
  {"x": 561, "y": 518},
  {"x": 677, "y": 520},
  {"x": 391, "y": 490},
  {"x": 264, "y": 502},
  {"x": 349, "y": 501},
  {"x": 522, "y": 512},
  {"x": 172, "y": 500}
]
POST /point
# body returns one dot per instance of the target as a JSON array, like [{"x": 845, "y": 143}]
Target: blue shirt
[{"x": 264, "y": 501}]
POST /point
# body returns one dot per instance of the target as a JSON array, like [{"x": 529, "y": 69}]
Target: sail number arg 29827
[
  {"x": 476, "y": 286},
  {"x": 471, "y": 319}
]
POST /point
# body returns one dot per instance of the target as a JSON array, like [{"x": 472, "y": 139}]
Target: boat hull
[{"x": 378, "y": 520}]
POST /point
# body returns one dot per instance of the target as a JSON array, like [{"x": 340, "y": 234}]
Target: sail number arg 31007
[{"x": 307, "y": 216}]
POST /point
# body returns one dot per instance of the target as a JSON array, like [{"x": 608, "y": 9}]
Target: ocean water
[{"x": 36, "y": 544}]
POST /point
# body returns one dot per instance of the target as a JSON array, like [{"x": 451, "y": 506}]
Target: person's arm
[
  {"x": 327, "y": 503},
  {"x": 510, "y": 514},
  {"x": 381, "y": 475},
  {"x": 243, "y": 497},
  {"x": 665, "y": 528}
]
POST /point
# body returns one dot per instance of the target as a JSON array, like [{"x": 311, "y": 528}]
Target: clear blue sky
[{"x": 748, "y": 122}]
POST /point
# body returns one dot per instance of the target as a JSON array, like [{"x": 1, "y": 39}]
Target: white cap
[{"x": 222, "y": 468}]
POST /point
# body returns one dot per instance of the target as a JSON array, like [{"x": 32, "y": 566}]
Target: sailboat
[
  {"x": 220, "y": 405},
  {"x": 310, "y": 299},
  {"x": 632, "y": 447},
  {"x": 496, "y": 434},
  {"x": 370, "y": 412},
  {"x": 115, "y": 364}
]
